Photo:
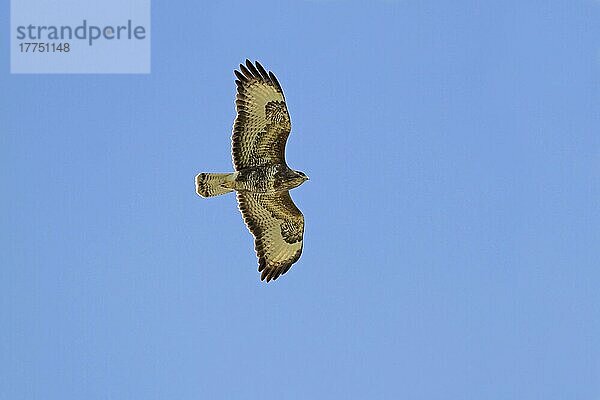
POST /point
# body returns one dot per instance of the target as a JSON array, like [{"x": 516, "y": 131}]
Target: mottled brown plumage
[
  {"x": 262, "y": 125},
  {"x": 262, "y": 179}
]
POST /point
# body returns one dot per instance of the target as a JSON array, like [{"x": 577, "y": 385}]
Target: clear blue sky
[{"x": 452, "y": 245}]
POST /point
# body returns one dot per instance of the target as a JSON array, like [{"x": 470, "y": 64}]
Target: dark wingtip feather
[
  {"x": 275, "y": 81},
  {"x": 239, "y": 75},
  {"x": 252, "y": 69},
  {"x": 262, "y": 71},
  {"x": 245, "y": 71},
  {"x": 267, "y": 276},
  {"x": 286, "y": 268}
]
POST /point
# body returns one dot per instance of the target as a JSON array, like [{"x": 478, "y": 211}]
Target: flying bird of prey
[{"x": 262, "y": 178}]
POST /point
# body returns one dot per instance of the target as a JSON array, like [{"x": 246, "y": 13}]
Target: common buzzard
[{"x": 262, "y": 178}]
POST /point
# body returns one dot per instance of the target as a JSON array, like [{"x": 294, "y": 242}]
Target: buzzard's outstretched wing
[
  {"x": 278, "y": 229},
  {"x": 262, "y": 124}
]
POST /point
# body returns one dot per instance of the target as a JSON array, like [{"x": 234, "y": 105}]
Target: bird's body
[
  {"x": 268, "y": 179},
  {"x": 262, "y": 178}
]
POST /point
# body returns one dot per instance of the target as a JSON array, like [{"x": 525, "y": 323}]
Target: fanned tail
[{"x": 209, "y": 185}]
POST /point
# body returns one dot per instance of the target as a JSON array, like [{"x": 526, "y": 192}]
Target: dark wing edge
[
  {"x": 278, "y": 229},
  {"x": 256, "y": 72}
]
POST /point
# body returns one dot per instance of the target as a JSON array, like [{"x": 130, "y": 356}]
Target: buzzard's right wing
[
  {"x": 278, "y": 229},
  {"x": 262, "y": 124}
]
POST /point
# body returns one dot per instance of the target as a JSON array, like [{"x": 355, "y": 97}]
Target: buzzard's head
[
  {"x": 290, "y": 179},
  {"x": 301, "y": 175}
]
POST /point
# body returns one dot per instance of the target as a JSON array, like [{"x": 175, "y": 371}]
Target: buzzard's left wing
[
  {"x": 262, "y": 124},
  {"x": 278, "y": 229}
]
